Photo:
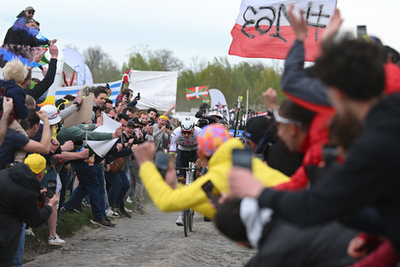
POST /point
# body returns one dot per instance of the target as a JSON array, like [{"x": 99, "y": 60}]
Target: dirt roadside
[{"x": 147, "y": 240}]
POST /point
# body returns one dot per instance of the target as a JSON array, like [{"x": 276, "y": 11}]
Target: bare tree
[
  {"x": 103, "y": 68},
  {"x": 141, "y": 58}
]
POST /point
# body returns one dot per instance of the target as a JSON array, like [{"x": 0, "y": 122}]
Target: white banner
[
  {"x": 76, "y": 61},
  {"x": 101, "y": 148},
  {"x": 218, "y": 102},
  {"x": 157, "y": 88}
]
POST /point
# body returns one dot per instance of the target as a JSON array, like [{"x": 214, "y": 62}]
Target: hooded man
[{"x": 19, "y": 195}]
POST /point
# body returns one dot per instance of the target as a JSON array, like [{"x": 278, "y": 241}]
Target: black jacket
[
  {"x": 369, "y": 177},
  {"x": 41, "y": 87},
  {"x": 286, "y": 245},
  {"x": 20, "y": 36},
  {"x": 19, "y": 193}
]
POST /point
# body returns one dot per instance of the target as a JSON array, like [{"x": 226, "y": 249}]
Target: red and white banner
[
  {"x": 126, "y": 78},
  {"x": 262, "y": 28}
]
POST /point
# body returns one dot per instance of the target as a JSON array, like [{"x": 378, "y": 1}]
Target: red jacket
[{"x": 317, "y": 137}]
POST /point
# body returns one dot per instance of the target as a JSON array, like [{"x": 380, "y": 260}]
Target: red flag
[
  {"x": 127, "y": 76},
  {"x": 197, "y": 92},
  {"x": 263, "y": 30}
]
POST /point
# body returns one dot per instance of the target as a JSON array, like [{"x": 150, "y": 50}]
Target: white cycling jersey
[{"x": 177, "y": 140}]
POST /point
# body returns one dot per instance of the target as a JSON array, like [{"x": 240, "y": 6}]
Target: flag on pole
[
  {"x": 127, "y": 76},
  {"x": 197, "y": 92},
  {"x": 262, "y": 28}
]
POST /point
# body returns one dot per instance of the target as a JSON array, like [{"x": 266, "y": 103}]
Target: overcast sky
[{"x": 188, "y": 28}]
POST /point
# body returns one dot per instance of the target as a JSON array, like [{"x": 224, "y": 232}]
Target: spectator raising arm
[
  {"x": 44, "y": 146},
  {"x": 39, "y": 89},
  {"x": 166, "y": 113},
  {"x": 7, "y": 108}
]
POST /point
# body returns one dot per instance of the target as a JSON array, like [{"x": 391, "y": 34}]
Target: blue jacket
[{"x": 13, "y": 90}]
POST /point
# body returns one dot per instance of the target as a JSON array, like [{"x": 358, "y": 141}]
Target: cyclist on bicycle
[
  {"x": 215, "y": 147},
  {"x": 184, "y": 145}
]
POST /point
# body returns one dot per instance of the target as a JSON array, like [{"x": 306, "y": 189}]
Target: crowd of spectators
[
  {"x": 339, "y": 127},
  {"x": 323, "y": 158},
  {"x": 63, "y": 155}
]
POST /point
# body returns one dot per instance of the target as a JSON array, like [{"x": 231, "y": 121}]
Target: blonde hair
[{"x": 15, "y": 71}]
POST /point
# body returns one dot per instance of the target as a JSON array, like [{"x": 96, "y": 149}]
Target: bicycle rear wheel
[{"x": 185, "y": 222}]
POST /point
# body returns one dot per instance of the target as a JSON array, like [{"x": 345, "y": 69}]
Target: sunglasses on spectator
[
  {"x": 113, "y": 117},
  {"x": 31, "y": 12},
  {"x": 187, "y": 132}
]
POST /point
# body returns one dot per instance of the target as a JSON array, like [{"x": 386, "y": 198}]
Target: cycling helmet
[
  {"x": 216, "y": 114},
  {"x": 187, "y": 124}
]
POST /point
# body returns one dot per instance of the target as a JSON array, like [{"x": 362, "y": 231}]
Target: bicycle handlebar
[{"x": 187, "y": 168}]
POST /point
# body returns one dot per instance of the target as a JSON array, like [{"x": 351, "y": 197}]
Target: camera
[
  {"x": 138, "y": 96},
  {"x": 168, "y": 126}
]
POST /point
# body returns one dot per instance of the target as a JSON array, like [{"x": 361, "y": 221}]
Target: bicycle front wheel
[
  {"x": 185, "y": 222},
  {"x": 190, "y": 220}
]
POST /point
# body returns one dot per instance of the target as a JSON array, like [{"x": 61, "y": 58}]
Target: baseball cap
[
  {"x": 29, "y": 8},
  {"x": 211, "y": 137},
  {"x": 256, "y": 128},
  {"x": 35, "y": 162},
  {"x": 138, "y": 122},
  {"x": 52, "y": 114},
  {"x": 131, "y": 123}
]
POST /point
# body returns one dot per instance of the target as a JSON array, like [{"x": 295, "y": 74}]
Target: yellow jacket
[{"x": 193, "y": 196}]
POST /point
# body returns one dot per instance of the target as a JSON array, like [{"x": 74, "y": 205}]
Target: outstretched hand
[
  {"x": 144, "y": 152},
  {"x": 54, "y": 200},
  {"x": 270, "y": 98},
  {"x": 243, "y": 184},
  {"x": 357, "y": 248},
  {"x": 42, "y": 115},
  {"x": 298, "y": 24},
  {"x": 7, "y": 105},
  {"x": 53, "y": 50},
  {"x": 333, "y": 27}
]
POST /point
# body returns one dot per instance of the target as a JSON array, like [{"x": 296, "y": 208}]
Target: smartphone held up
[
  {"x": 162, "y": 162},
  {"x": 242, "y": 158},
  {"x": 51, "y": 188},
  {"x": 212, "y": 192}
]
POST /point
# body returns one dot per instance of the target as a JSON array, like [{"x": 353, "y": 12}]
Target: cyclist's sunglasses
[{"x": 187, "y": 132}]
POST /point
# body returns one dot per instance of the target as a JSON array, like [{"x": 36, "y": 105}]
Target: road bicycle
[{"x": 188, "y": 213}]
